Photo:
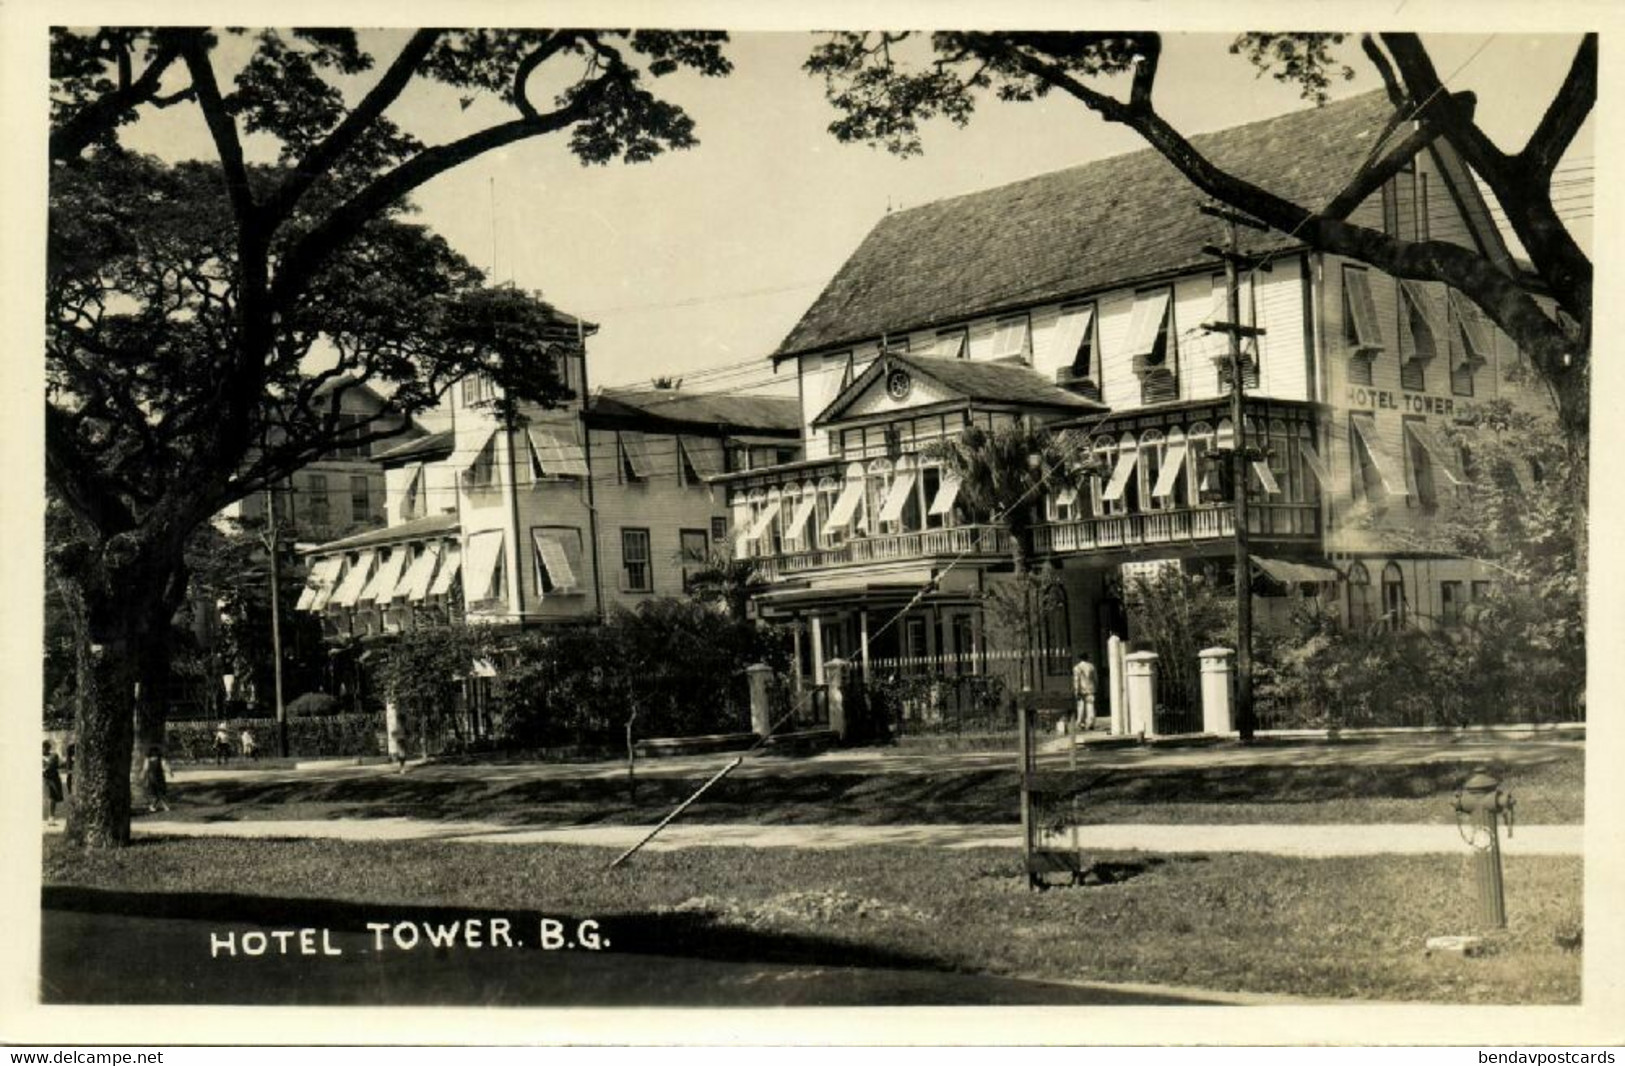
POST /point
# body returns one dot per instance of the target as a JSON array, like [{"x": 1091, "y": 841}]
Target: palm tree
[
  {"x": 1003, "y": 474},
  {"x": 721, "y": 578}
]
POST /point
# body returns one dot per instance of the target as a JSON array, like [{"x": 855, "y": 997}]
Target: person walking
[
  {"x": 53, "y": 782},
  {"x": 222, "y": 745},
  {"x": 251, "y": 748},
  {"x": 155, "y": 775},
  {"x": 1084, "y": 681}
]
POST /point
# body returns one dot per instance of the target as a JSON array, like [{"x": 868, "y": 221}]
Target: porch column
[
  {"x": 797, "y": 630},
  {"x": 818, "y": 649},
  {"x": 863, "y": 639},
  {"x": 1116, "y": 685}
]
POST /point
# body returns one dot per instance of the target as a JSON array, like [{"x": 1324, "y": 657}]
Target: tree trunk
[{"x": 126, "y": 612}]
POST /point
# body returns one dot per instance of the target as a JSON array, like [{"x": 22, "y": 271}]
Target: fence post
[
  {"x": 760, "y": 676},
  {"x": 1116, "y": 686},
  {"x": 835, "y": 696},
  {"x": 1141, "y": 668},
  {"x": 1217, "y": 718}
]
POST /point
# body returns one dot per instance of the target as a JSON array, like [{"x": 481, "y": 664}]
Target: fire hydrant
[{"x": 1482, "y": 798}]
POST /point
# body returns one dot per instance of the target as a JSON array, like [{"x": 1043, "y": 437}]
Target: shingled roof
[
  {"x": 764, "y": 414},
  {"x": 1100, "y": 225}
]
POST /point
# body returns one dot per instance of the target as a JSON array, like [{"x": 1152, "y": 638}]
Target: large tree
[
  {"x": 885, "y": 85},
  {"x": 205, "y": 318}
]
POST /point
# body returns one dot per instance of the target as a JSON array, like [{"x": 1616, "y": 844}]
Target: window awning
[
  {"x": 484, "y": 553},
  {"x": 354, "y": 581},
  {"x": 949, "y": 345},
  {"x": 409, "y": 498},
  {"x": 1120, "y": 474},
  {"x": 636, "y": 450},
  {"x": 1266, "y": 477},
  {"x": 1145, "y": 324},
  {"x": 947, "y": 493},
  {"x": 704, "y": 454},
  {"x": 1168, "y": 477},
  {"x": 846, "y": 505},
  {"x": 764, "y": 518},
  {"x": 415, "y": 582},
  {"x": 1010, "y": 337},
  {"x": 1474, "y": 332},
  {"x": 798, "y": 522},
  {"x": 556, "y": 455},
  {"x": 1361, "y": 308},
  {"x": 451, "y": 562},
  {"x": 483, "y": 668},
  {"x": 1065, "y": 496},
  {"x": 381, "y": 588},
  {"x": 487, "y": 444},
  {"x": 555, "y": 559},
  {"x": 902, "y": 488},
  {"x": 1443, "y": 457},
  {"x": 1070, "y": 331},
  {"x": 1365, "y": 430},
  {"x": 319, "y": 585},
  {"x": 1420, "y": 299},
  {"x": 1294, "y": 573},
  {"x": 1316, "y": 464}
]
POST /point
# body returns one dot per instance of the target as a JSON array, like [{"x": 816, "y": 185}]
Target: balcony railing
[
  {"x": 1276, "y": 520},
  {"x": 894, "y": 547}
]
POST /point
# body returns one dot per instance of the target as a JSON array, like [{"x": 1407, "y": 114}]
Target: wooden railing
[
  {"x": 893, "y": 547},
  {"x": 1296, "y": 520}
]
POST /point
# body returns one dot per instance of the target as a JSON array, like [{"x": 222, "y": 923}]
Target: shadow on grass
[{"x": 975, "y": 797}]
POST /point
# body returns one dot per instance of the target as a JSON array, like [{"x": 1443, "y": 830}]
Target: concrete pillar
[
  {"x": 863, "y": 639},
  {"x": 394, "y": 737},
  {"x": 1141, "y": 668},
  {"x": 760, "y": 676},
  {"x": 796, "y": 629},
  {"x": 1116, "y": 690},
  {"x": 835, "y": 674},
  {"x": 818, "y": 649},
  {"x": 1217, "y": 717}
]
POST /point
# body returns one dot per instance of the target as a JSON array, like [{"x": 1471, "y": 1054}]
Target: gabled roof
[
  {"x": 1003, "y": 383},
  {"x": 727, "y": 411},
  {"x": 434, "y": 446},
  {"x": 417, "y": 529},
  {"x": 1104, "y": 224}
]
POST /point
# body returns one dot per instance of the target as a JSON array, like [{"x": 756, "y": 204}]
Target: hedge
[{"x": 339, "y": 734}]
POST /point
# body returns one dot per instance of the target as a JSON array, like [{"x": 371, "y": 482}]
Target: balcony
[
  {"x": 1285, "y": 522},
  {"x": 979, "y": 542}
]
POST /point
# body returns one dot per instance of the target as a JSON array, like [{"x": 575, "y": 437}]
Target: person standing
[
  {"x": 251, "y": 748},
  {"x": 155, "y": 775},
  {"x": 53, "y": 782},
  {"x": 1084, "y": 681},
  {"x": 222, "y": 745}
]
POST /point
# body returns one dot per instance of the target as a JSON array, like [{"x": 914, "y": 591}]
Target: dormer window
[
  {"x": 1013, "y": 339},
  {"x": 951, "y": 344},
  {"x": 477, "y": 389}
]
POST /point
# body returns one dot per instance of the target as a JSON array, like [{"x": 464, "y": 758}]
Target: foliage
[
  {"x": 422, "y": 671},
  {"x": 312, "y": 705},
  {"x": 329, "y": 735},
  {"x": 1176, "y": 613},
  {"x": 719, "y": 577}
]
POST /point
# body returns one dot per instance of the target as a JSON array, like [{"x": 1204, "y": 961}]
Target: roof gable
[
  {"x": 935, "y": 381},
  {"x": 1087, "y": 228}
]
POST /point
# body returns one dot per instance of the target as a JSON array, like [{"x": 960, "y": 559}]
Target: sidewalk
[{"x": 1300, "y": 841}]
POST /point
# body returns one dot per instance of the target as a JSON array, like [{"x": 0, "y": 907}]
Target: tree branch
[
  {"x": 1145, "y": 73},
  {"x": 344, "y": 136},
  {"x": 527, "y": 67},
  {"x": 102, "y": 114},
  {"x": 1385, "y": 69},
  {"x": 1372, "y": 178},
  {"x": 222, "y": 127},
  {"x": 1564, "y": 116}
]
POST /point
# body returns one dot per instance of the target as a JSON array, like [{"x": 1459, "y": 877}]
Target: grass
[
  {"x": 1548, "y": 792},
  {"x": 1345, "y": 928}
]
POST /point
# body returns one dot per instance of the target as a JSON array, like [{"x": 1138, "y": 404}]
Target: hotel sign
[{"x": 1413, "y": 403}]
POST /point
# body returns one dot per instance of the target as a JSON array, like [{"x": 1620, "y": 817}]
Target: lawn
[
  {"x": 1346, "y": 928},
  {"x": 1549, "y": 792}
]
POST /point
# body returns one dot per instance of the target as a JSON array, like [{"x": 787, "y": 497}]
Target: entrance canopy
[{"x": 1289, "y": 573}]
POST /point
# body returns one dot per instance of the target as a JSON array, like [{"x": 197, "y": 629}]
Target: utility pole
[
  {"x": 1240, "y": 454},
  {"x": 273, "y": 547}
]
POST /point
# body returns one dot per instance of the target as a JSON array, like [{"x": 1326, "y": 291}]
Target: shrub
[
  {"x": 312, "y": 704},
  {"x": 330, "y": 735}
]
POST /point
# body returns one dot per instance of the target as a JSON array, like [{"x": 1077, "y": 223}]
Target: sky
[{"x": 698, "y": 263}]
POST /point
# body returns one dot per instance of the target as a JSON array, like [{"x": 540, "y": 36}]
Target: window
[
  {"x": 951, "y": 344},
  {"x": 1012, "y": 339},
  {"x": 1418, "y": 340},
  {"x": 1393, "y": 597},
  {"x": 1150, "y": 471},
  {"x": 964, "y": 647},
  {"x": 477, "y": 389},
  {"x": 915, "y": 648},
  {"x": 316, "y": 490},
  {"x": 1470, "y": 342},
  {"x": 1248, "y": 317},
  {"x": 1074, "y": 343},
  {"x": 482, "y": 472},
  {"x": 635, "y": 573},
  {"x": 351, "y": 426},
  {"x": 1481, "y": 591},
  {"x": 1450, "y": 603},
  {"x": 1359, "y": 596},
  {"x": 719, "y": 528},
  {"x": 1057, "y": 635},
  {"x": 360, "y": 498},
  {"x": 1371, "y": 470},
  {"x": 1152, "y": 347},
  {"x": 693, "y": 547},
  {"x": 1419, "y": 467},
  {"x": 556, "y": 560},
  {"x": 1461, "y": 379}
]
